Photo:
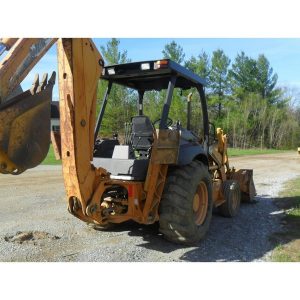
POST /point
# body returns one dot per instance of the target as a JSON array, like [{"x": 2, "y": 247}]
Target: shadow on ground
[
  {"x": 291, "y": 223},
  {"x": 247, "y": 237}
]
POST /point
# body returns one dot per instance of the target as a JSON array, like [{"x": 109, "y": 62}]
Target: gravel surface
[{"x": 35, "y": 224}]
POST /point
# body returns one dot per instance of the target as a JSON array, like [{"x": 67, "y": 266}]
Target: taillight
[
  {"x": 160, "y": 64},
  {"x": 130, "y": 189}
]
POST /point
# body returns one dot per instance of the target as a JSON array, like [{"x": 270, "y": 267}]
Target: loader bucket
[
  {"x": 25, "y": 127},
  {"x": 245, "y": 180}
]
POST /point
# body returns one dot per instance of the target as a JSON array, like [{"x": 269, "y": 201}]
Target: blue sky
[{"x": 283, "y": 54}]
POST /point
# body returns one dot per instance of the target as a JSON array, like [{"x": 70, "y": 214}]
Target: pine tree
[
  {"x": 219, "y": 76},
  {"x": 121, "y": 104},
  {"x": 174, "y": 52}
]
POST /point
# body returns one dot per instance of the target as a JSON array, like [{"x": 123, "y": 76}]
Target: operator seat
[{"x": 142, "y": 135}]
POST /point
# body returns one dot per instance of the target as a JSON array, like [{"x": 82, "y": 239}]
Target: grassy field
[
  {"x": 288, "y": 249},
  {"x": 241, "y": 152},
  {"x": 50, "y": 159}
]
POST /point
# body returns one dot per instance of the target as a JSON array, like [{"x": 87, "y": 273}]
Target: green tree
[
  {"x": 243, "y": 74},
  {"x": 121, "y": 102},
  {"x": 174, "y": 52},
  {"x": 200, "y": 65},
  {"x": 112, "y": 54},
  {"x": 219, "y": 76},
  {"x": 244, "y": 100},
  {"x": 265, "y": 78}
]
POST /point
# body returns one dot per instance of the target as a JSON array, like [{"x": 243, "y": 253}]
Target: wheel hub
[{"x": 200, "y": 203}]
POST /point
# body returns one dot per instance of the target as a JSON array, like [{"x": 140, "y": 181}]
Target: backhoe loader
[{"x": 158, "y": 171}]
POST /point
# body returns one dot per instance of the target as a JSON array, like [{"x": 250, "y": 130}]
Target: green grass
[
  {"x": 281, "y": 254},
  {"x": 242, "y": 152},
  {"x": 289, "y": 252},
  {"x": 50, "y": 158},
  {"x": 288, "y": 249},
  {"x": 292, "y": 191}
]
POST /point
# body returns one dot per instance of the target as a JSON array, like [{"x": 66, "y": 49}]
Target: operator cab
[{"x": 126, "y": 155}]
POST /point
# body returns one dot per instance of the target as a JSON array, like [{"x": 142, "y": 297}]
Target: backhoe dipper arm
[
  {"x": 80, "y": 66},
  {"x": 25, "y": 118}
]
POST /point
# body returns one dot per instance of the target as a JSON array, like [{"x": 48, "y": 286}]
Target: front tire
[
  {"x": 232, "y": 194},
  {"x": 186, "y": 204}
]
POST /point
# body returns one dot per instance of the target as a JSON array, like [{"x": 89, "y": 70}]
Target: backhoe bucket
[
  {"x": 245, "y": 180},
  {"x": 25, "y": 127}
]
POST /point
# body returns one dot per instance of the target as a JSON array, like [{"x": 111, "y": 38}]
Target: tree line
[{"x": 243, "y": 98}]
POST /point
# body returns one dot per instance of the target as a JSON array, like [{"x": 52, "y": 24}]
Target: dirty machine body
[{"x": 158, "y": 170}]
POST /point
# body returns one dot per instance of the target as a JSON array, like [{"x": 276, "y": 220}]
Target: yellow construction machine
[{"x": 160, "y": 171}]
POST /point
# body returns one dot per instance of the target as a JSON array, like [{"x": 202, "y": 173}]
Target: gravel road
[{"x": 35, "y": 224}]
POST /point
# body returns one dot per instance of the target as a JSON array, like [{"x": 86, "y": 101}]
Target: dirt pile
[{"x": 30, "y": 237}]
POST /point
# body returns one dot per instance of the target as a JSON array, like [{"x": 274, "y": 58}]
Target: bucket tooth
[
  {"x": 35, "y": 84},
  {"x": 43, "y": 83}
]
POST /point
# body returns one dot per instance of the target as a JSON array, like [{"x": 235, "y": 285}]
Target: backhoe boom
[{"x": 160, "y": 171}]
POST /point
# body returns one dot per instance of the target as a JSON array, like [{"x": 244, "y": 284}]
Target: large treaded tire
[
  {"x": 177, "y": 217},
  {"x": 232, "y": 194}
]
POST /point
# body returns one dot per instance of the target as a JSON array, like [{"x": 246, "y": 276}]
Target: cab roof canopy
[{"x": 151, "y": 75}]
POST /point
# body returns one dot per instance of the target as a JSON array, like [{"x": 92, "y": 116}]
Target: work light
[{"x": 145, "y": 66}]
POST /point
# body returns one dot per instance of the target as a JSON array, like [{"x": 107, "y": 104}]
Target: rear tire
[
  {"x": 232, "y": 194},
  {"x": 186, "y": 204}
]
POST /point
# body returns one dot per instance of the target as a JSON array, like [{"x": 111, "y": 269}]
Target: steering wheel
[{"x": 169, "y": 122}]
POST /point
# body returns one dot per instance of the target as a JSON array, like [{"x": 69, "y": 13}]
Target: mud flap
[
  {"x": 25, "y": 127},
  {"x": 245, "y": 180}
]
